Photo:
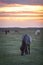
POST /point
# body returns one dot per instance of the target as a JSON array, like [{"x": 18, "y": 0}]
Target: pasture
[{"x": 10, "y": 48}]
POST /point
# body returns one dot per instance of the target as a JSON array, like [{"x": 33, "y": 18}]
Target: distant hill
[{"x": 17, "y": 28}]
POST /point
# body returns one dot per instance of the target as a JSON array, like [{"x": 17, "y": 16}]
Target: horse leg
[
  {"x": 26, "y": 50},
  {"x": 29, "y": 48}
]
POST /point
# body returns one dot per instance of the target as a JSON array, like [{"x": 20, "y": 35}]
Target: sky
[{"x": 21, "y": 13}]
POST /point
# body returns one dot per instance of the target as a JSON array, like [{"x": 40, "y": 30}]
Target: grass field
[{"x": 10, "y": 48}]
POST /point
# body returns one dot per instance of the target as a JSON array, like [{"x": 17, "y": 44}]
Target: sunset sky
[{"x": 21, "y": 13}]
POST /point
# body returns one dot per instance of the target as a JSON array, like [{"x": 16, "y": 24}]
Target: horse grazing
[
  {"x": 37, "y": 32},
  {"x": 25, "y": 47},
  {"x": 6, "y": 31}
]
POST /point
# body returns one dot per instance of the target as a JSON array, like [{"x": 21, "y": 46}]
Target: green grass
[{"x": 10, "y": 49}]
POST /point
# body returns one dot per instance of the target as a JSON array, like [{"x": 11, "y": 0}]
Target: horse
[{"x": 25, "y": 47}]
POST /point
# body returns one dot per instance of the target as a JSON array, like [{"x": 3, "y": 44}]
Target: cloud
[{"x": 23, "y": 1}]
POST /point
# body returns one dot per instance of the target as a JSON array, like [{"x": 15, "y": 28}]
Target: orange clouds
[
  {"x": 20, "y": 19},
  {"x": 19, "y": 8},
  {"x": 14, "y": 13}
]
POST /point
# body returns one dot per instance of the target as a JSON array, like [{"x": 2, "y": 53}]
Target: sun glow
[
  {"x": 16, "y": 14},
  {"x": 19, "y": 8}
]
